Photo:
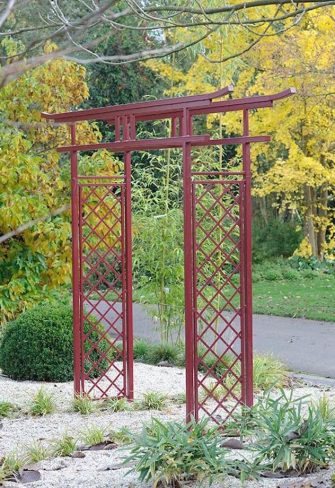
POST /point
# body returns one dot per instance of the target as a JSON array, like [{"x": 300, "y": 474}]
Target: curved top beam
[{"x": 166, "y": 104}]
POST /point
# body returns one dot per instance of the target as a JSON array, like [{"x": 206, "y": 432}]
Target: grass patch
[
  {"x": 268, "y": 373},
  {"x": 83, "y": 404},
  {"x": 312, "y": 298},
  {"x": 65, "y": 446},
  {"x": 152, "y": 400},
  {"x": 92, "y": 435},
  {"x": 6, "y": 409},
  {"x": 37, "y": 452},
  {"x": 42, "y": 404},
  {"x": 118, "y": 405},
  {"x": 10, "y": 465},
  {"x": 122, "y": 436}
]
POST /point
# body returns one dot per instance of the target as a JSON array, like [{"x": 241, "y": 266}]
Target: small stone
[
  {"x": 165, "y": 364},
  {"x": 78, "y": 454},
  {"x": 233, "y": 444}
]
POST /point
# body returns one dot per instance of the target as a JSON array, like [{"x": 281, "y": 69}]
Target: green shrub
[
  {"x": 38, "y": 345},
  {"x": 164, "y": 352},
  {"x": 291, "y": 274},
  {"x": 142, "y": 350},
  {"x": 276, "y": 238},
  {"x": 272, "y": 274}
]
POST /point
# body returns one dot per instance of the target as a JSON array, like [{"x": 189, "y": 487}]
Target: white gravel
[{"x": 101, "y": 469}]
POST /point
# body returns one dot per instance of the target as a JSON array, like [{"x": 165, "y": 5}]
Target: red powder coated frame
[{"x": 217, "y": 255}]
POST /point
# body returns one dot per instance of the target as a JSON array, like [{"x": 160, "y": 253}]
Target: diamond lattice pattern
[
  {"x": 217, "y": 297},
  {"x": 102, "y": 290}
]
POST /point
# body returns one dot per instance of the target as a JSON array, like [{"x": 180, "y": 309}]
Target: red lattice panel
[
  {"x": 218, "y": 297},
  {"x": 102, "y": 289}
]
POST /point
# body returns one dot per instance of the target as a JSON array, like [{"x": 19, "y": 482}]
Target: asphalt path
[{"x": 306, "y": 346}]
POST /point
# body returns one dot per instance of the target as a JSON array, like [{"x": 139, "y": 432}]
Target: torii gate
[{"x": 217, "y": 219}]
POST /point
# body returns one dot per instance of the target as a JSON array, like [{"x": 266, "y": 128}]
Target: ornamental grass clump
[
  {"x": 293, "y": 436},
  {"x": 168, "y": 454},
  {"x": 83, "y": 405}
]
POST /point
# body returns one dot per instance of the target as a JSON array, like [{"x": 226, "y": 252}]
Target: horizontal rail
[
  {"x": 230, "y": 141},
  {"x": 138, "y": 145},
  {"x": 117, "y": 177},
  {"x": 163, "y": 143},
  {"x": 210, "y": 182},
  {"x": 228, "y": 173}
]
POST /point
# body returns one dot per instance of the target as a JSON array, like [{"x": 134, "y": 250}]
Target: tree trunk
[
  {"x": 322, "y": 212},
  {"x": 309, "y": 228}
]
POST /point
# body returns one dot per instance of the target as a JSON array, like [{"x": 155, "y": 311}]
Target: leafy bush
[
  {"x": 272, "y": 274},
  {"x": 169, "y": 453},
  {"x": 276, "y": 238},
  {"x": 38, "y": 345}
]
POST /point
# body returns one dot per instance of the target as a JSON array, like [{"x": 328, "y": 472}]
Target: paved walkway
[{"x": 306, "y": 346}]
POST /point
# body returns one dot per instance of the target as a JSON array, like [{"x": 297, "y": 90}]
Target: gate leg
[
  {"x": 75, "y": 266},
  {"x": 129, "y": 283},
  {"x": 248, "y": 339},
  {"x": 190, "y": 352}
]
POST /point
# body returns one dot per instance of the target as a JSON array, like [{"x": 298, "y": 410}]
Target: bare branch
[
  {"x": 31, "y": 223},
  {"x": 7, "y": 11}
]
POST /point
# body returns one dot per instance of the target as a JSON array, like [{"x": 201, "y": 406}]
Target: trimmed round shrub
[{"x": 38, "y": 346}]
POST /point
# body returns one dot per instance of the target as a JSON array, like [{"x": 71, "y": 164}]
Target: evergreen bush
[{"x": 38, "y": 345}]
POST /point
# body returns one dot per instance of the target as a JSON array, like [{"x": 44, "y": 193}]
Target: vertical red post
[
  {"x": 129, "y": 269},
  {"x": 188, "y": 269},
  {"x": 248, "y": 342},
  {"x": 75, "y": 264}
]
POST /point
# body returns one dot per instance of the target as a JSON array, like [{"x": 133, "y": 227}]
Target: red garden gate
[{"x": 217, "y": 255}]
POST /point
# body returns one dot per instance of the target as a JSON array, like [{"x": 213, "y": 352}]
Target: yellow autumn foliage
[{"x": 297, "y": 169}]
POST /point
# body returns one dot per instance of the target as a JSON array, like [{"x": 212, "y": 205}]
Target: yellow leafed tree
[
  {"x": 34, "y": 181},
  {"x": 297, "y": 169}
]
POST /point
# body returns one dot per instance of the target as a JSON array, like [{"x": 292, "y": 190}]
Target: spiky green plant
[
  {"x": 83, "y": 404},
  {"x": 6, "y": 409},
  {"x": 168, "y": 454},
  {"x": 153, "y": 400},
  {"x": 92, "y": 435},
  {"x": 43, "y": 403},
  {"x": 118, "y": 405},
  {"x": 64, "y": 446},
  {"x": 38, "y": 451}
]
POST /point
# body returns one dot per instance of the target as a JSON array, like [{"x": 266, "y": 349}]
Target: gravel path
[{"x": 101, "y": 469}]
